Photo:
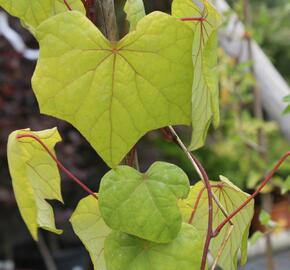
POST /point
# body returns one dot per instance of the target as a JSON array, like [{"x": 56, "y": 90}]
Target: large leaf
[
  {"x": 144, "y": 204},
  {"x": 35, "y": 178},
  {"x": 91, "y": 229},
  {"x": 205, "y": 97},
  {"x": 135, "y": 12},
  {"x": 33, "y": 12},
  {"x": 115, "y": 93},
  {"x": 231, "y": 198},
  {"x": 125, "y": 252}
]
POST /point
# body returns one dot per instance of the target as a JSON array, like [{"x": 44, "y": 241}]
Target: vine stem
[
  {"x": 193, "y": 19},
  {"x": 201, "y": 171},
  {"x": 59, "y": 164},
  {"x": 258, "y": 190},
  {"x": 67, "y": 5}
]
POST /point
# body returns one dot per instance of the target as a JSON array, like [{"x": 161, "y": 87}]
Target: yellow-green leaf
[
  {"x": 230, "y": 197},
  {"x": 135, "y": 12},
  {"x": 115, "y": 93},
  {"x": 144, "y": 205},
  {"x": 91, "y": 229},
  {"x": 33, "y": 12},
  {"x": 35, "y": 178},
  {"x": 205, "y": 96},
  {"x": 126, "y": 252}
]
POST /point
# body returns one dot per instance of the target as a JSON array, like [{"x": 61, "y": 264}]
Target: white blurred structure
[
  {"x": 271, "y": 84},
  {"x": 15, "y": 39}
]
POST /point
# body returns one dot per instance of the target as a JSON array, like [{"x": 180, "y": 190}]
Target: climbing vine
[{"x": 162, "y": 73}]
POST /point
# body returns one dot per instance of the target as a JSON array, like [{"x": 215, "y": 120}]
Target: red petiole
[{"x": 59, "y": 164}]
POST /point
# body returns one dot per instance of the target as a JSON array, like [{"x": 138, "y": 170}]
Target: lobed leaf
[
  {"x": 33, "y": 12},
  {"x": 91, "y": 229},
  {"x": 115, "y": 93},
  {"x": 230, "y": 197},
  {"x": 135, "y": 12},
  {"x": 35, "y": 178},
  {"x": 144, "y": 205},
  {"x": 205, "y": 96},
  {"x": 125, "y": 252}
]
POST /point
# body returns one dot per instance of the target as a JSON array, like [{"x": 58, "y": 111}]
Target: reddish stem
[
  {"x": 67, "y": 5},
  {"x": 193, "y": 19},
  {"x": 259, "y": 189},
  {"x": 170, "y": 134},
  {"x": 59, "y": 164},
  {"x": 210, "y": 212}
]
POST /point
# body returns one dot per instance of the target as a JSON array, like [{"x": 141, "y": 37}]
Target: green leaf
[
  {"x": 91, "y": 229},
  {"x": 135, "y": 12},
  {"x": 231, "y": 198},
  {"x": 35, "y": 178},
  {"x": 205, "y": 96},
  {"x": 286, "y": 186},
  {"x": 144, "y": 205},
  {"x": 115, "y": 93},
  {"x": 34, "y": 12},
  {"x": 125, "y": 252},
  {"x": 256, "y": 236}
]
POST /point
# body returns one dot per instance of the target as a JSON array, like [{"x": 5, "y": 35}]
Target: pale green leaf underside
[
  {"x": 114, "y": 94},
  {"x": 125, "y": 252},
  {"x": 35, "y": 178},
  {"x": 205, "y": 97},
  {"x": 89, "y": 226},
  {"x": 144, "y": 205},
  {"x": 231, "y": 198},
  {"x": 34, "y": 12},
  {"x": 135, "y": 12}
]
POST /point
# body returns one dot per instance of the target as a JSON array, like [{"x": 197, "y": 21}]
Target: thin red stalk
[
  {"x": 210, "y": 212},
  {"x": 67, "y": 5},
  {"x": 259, "y": 189},
  {"x": 170, "y": 134},
  {"x": 59, "y": 164},
  {"x": 193, "y": 19}
]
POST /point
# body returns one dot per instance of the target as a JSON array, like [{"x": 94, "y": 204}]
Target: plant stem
[
  {"x": 59, "y": 164},
  {"x": 193, "y": 19},
  {"x": 67, "y": 5},
  {"x": 259, "y": 189},
  {"x": 106, "y": 19},
  {"x": 201, "y": 171}
]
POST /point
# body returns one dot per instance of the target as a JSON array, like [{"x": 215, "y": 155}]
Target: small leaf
[
  {"x": 125, "y": 252},
  {"x": 91, "y": 229},
  {"x": 286, "y": 185},
  {"x": 144, "y": 205},
  {"x": 231, "y": 197},
  {"x": 115, "y": 93},
  {"x": 35, "y": 178},
  {"x": 34, "y": 12},
  {"x": 205, "y": 94},
  {"x": 255, "y": 237},
  {"x": 135, "y": 12}
]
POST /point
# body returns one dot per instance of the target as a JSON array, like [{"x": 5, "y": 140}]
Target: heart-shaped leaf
[
  {"x": 125, "y": 252},
  {"x": 205, "y": 94},
  {"x": 230, "y": 197},
  {"x": 91, "y": 229},
  {"x": 34, "y": 12},
  {"x": 35, "y": 178},
  {"x": 115, "y": 93},
  {"x": 135, "y": 12},
  {"x": 144, "y": 205}
]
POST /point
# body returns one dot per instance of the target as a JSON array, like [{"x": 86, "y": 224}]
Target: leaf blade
[{"x": 35, "y": 178}]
